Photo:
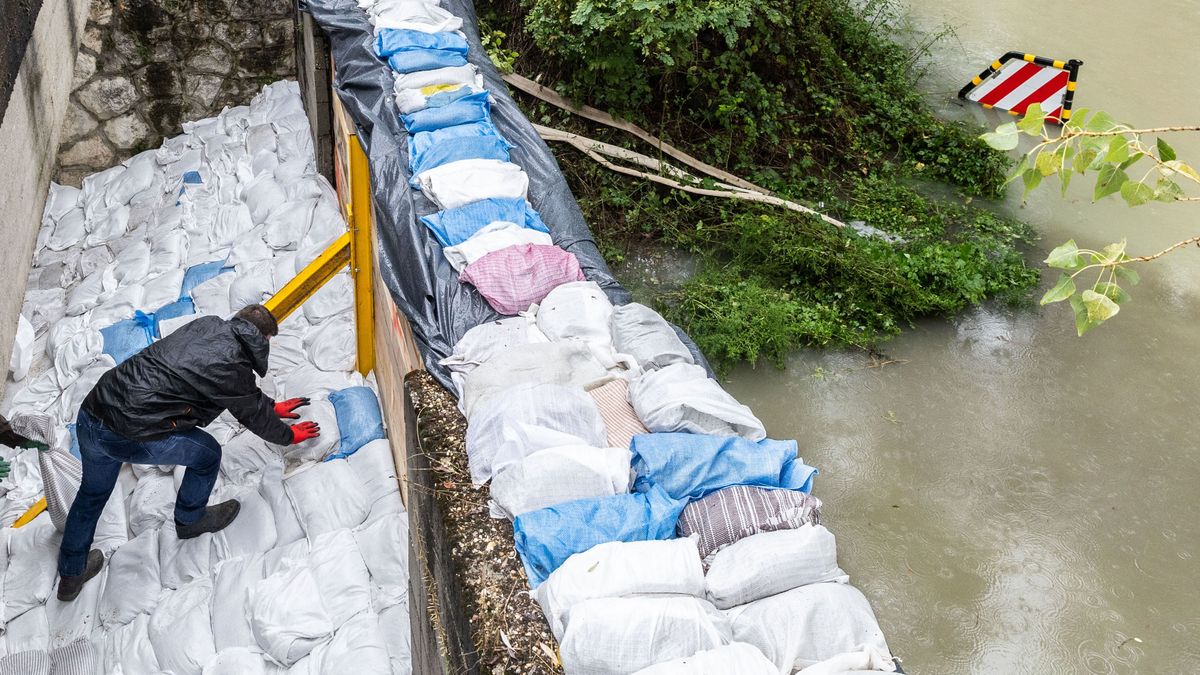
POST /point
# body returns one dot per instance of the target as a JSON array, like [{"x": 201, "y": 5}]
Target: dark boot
[
  {"x": 215, "y": 518},
  {"x": 69, "y": 587}
]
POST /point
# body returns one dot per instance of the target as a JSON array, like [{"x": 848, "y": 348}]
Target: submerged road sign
[{"x": 1016, "y": 81}]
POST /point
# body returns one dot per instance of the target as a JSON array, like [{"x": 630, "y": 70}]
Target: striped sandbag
[{"x": 734, "y": 513}]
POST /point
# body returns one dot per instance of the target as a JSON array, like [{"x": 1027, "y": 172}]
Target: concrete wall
[
  {"x": 29, "y": 135},
  {"x": 146, "y": 66}
]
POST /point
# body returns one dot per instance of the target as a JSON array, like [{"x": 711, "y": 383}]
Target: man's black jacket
[{"x": 186, "y": 380}]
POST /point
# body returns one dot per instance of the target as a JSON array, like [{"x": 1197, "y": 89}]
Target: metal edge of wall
[{"x": 29, "y": 133}]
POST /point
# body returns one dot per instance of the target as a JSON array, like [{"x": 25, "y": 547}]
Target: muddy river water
[{"x": 1013, "y": 498}]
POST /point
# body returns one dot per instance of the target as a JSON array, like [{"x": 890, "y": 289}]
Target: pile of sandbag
[
  {"x": 660, "y": 529},
  {"x": 312, "y": 575}
]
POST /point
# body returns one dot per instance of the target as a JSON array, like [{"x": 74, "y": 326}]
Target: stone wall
[{"x": 147, "y": 66}]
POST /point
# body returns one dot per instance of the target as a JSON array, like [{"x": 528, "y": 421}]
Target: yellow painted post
[
  {"x": 310, "y": 279},
  {"x": 362, "y": 255}
]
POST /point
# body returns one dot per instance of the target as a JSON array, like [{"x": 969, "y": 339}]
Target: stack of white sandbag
[{"x": 312, "y": 575}]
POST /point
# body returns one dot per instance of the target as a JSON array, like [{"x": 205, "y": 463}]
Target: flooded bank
[{"x": 1013, "y": 498}]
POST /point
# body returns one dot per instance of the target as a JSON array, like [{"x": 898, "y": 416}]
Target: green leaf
[
  {"x": 1062, "y": 290},
  {"x": 1082, "y": 323},
  {"x": 1084, "y": 159},
  {"x": 1136, "y": 194},
  {"x": 1109, "y": 182},
  {"x": 1065, "y": 257},
  {"x": 1167, "y": 190},
  {"x": 1099, "y": 307},
  {"x": 1180, "y": 167},
  {"x": 1065, "y": 177},
  {"x": 1118, "y": 150},
  {"x": 1133, "y": 159},
  {"x": 1114, "y": 252},
  {"x": 1101, "y": 121},
  {"x": 1024, "y": 164},
  {"x": 1112, "y": 292},
  {"x": 1032, "y": 178},
  {"x": 1078, "y": 117},
  {"x": 1127, "y": 275},
  {"x": 1005, "y": 137},
  {"x": 1034, "y": 120},
  {"x": 1165, "y": 152},
  {"x": 1047, "y": 163}
]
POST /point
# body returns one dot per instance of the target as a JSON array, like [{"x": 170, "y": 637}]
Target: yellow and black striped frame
[{"x": 1071, "y": 66}]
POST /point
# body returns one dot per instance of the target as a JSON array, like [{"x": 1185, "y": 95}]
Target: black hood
[{"x": 257, "y": 346}]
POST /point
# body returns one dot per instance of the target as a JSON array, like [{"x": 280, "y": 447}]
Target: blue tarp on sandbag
[
  {"x": 358, "y": 418},
  {"x": 125, "y": 338},
  {"x": 181, "y": 307},
  {"x": 425, "y": 59},
  {"x": 454, "y": 149},
  {"x": 393, "y": 40},
  {"x": 198, "y": 274},
  {"x": 689, "y": 466},
  {"x": 454, "y": 226},
  {"x": 466, "y": 110},
  {"x": 547, "y": 537}
]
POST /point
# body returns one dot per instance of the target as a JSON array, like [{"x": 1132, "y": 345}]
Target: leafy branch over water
[{"x": 1098, "y": 144}]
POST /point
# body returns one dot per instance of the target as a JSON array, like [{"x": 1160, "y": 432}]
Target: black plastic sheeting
[{"x": 423, "y": 284}]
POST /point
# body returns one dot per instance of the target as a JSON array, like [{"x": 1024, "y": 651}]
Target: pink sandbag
[{"x": 513, "y": 278}]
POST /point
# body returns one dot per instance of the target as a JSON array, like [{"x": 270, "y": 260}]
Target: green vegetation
[{"x": 812, "y": 100}]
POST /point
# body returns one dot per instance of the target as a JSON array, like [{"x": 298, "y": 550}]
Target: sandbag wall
[
  {"x": 312, "y": 576},
  {"x": 660, "y": 530}
]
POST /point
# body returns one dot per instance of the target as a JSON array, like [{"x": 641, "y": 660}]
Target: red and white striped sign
[{"x": 1020, "y": 84}]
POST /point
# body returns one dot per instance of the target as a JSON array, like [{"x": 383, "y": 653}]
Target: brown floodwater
[{"x": 1011, "y": 497}]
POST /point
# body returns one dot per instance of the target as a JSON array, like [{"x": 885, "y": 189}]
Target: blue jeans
[{"x": 103, "y": 452}]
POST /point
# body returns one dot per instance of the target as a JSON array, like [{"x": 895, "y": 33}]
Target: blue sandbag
[
  {"x": 454, "y": 226},
  {"x": 547, "y": 537},
  {"x": 425, "y": 59},
  {"x": 445, "y": 98},
  {"x": 392, "y": 40},
  {"x": 125, "y": 338},
  {"x": 424, "y": 141},
  {"x": 198, "y": 274},
  {"x": 690, "y": 466},
  {"x": 466, "y": 110},
  {"x": 455, "y": 149},
  {"x": 181, "y": 307},
  {"x": 358, "y": 419}
]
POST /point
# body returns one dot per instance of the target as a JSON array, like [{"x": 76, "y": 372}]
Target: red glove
[
  {"x": 305, "y": 430},
  {"x": 284, "y": 408}
]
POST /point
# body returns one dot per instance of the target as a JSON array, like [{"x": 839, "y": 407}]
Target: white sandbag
[
  {"x": 152, "y": 502},
  {"x": 287, "y": 617},
  {"x": 327, "y": 222},
  {"x": 375, "y": 467},
  {"x": 737, "y": 657},
  {"x": 426, "y": 17},
  {"x": 69, "y": 230},
  {"x": 39, "y": 395},
  {"x": 31, "y": 571},
  {"x": 808, "y": 624},
  {"x": 316, "y": 449},
  {"x": 772, "y": 562},
  {"x": 241, "y": 661},
  {"x": 62, "y": 331},
  {"x": 128, "y": 648},
  {"x": 420, "y": 79},
  {"x": 491, "y": 238},
  {"x": 291, "y": 171},
  {"x": 71, "y": 621},
  {"x": 327, "y": 496},
  {"x": 212, "y": 296},
  {"x": 107, "y": 226},
  {"x": 395, "y": 625},
  {"x": 112, "y": 530},
  {"x": 526, "y": 418},
  {"x": 358, "y": 647},
  {"x": 263, "y": 196},
  {"x": 308, "y": 380},
  {"x": 618, "y": 569},
  {"x": 168, "y": 326},
  {"x": 168, "y": 251},
  {"x": 249, "y": 249},
  {"x": 182, "y": 561},
  {"x": 459, "y": 183},
  {"x": 137, "y": 178},
  {"x": 28, "y": 632},
  {"x": 334, "y": 297},
  {"x": 295, "y": 145},
  {"x": 865, "y": 660},
  {"x": 60, "y": 200},
  {"x": 558, "y": 475},
  {"x": 485, "y": 341},
  {"x": 260, "y": 138},
  {"x": 45, "y": 307},
  {"x": 569, "y": 364},
  {"x": 233, "y": 580},
  {"x": 344, "y": 581},
  {"x": 616, "y": 636},
  {"x": 162, "y": 290},
  {"x": 133, "y": 586},
  {"x": 23, "y": 350},
  {"x": 233, "y": 221},
  {"x": 251, "y": 286},
  {"x": 578, "y": 311},
  {"x": 643, "y": 334},
  {"x": 681, "y": 397},
  {"x": 252, "y": 532},
  {"x": 94, "y": 259},
  {"x": 95, "y": 187},
  {"x": 119, "y": 305},
  {"x": 383, "y": 545},
  {"x": 180, "y": 628},
  {"x": 91, "y": 291},
  {"x": 331, "y": 346},
  {"x": 245, "y": 456}
]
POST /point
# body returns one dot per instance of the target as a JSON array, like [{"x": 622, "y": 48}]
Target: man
[{"x": 148, "y": 410}]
